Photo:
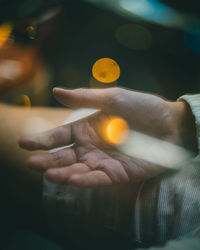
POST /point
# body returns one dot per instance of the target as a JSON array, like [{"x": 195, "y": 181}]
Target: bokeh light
[
  {"x": 106, "y": 70},
  {"x": 31, "y": 29},
  {"x": 5, "y": 31},
  {"x": 153, "y": 11},
  {"x": 27, "y": 101},
  {"x": 134, "y": 36},
  {"x": 17, "y": 65},
  {"x": 117, "y": 130}
]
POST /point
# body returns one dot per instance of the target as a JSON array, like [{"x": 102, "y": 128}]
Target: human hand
[{"x": 92, "y": 161}]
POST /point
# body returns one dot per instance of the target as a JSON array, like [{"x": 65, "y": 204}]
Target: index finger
[{"x": 57, "y": 137}]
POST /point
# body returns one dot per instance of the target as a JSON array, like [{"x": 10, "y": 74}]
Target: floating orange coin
[{"x": 106, "y": 70}]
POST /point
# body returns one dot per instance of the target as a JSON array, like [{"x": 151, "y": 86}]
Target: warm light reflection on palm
[{"x": 92, "y": 161}]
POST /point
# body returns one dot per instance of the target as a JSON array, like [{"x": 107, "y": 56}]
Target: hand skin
[{"x": 92, "y": 162}]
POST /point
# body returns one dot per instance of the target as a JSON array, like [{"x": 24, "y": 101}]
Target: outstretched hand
[{"x": 92, "y": 161}]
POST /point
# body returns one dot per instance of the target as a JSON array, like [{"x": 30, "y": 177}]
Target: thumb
[{"x": 86, "y": 98}]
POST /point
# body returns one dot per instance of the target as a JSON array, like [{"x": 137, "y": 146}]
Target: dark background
[{"x": 85, "y": 33}]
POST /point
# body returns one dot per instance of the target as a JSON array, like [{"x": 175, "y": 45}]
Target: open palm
[{"x": 90, "y": 161}]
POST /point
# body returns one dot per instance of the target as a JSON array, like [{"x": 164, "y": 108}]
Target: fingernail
[{"x": 57, "y": 88}]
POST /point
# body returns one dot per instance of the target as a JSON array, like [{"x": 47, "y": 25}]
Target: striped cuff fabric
[{"x": 194, "y": 102}]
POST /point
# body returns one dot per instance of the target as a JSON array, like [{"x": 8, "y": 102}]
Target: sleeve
[
  {"x": 194, "y": 102},
  {"x": 184, "y": 244}
]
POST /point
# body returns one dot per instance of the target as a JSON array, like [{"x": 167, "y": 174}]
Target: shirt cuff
[{"x": 194, "y": 102}]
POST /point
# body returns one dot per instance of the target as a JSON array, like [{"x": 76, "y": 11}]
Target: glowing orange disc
[
  {"x": 117, "y": 130},
  {"x": 106, "y": 70}
]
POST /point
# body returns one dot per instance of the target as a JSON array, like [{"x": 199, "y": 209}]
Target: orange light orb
[
  {"x": 27, "y": 101},
  {"x": 117, "y": 130},
  {"x": 106, "y": 70},
  {"x": 5, "y": 31}
]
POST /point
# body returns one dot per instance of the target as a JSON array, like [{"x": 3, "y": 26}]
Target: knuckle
[
  {"x": 110, "y": 103},
  {"x": 73, "y": 155},
  {"x": 57, "y": 158},
  {"x": 112, "y": 98}
]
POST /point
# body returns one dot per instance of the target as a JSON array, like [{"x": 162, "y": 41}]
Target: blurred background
[
  {"x": 145, "y": 45},
  {"x": 44, "y": 44}
]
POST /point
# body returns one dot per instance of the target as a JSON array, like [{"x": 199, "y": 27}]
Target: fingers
[
  {"x": 95, "y": 178},
  {"x": 64, "y": 175},
  {"x": 53, "y": 138},
  {"x": 78, "y": 174},
  {"x": 58, "y": 159},
  {"x": 87, "y": 98}
]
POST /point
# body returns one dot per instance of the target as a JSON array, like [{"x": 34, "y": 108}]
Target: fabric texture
[
  {"x": 194, "y": 102},
  {"x": 160, "y": 210}
]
